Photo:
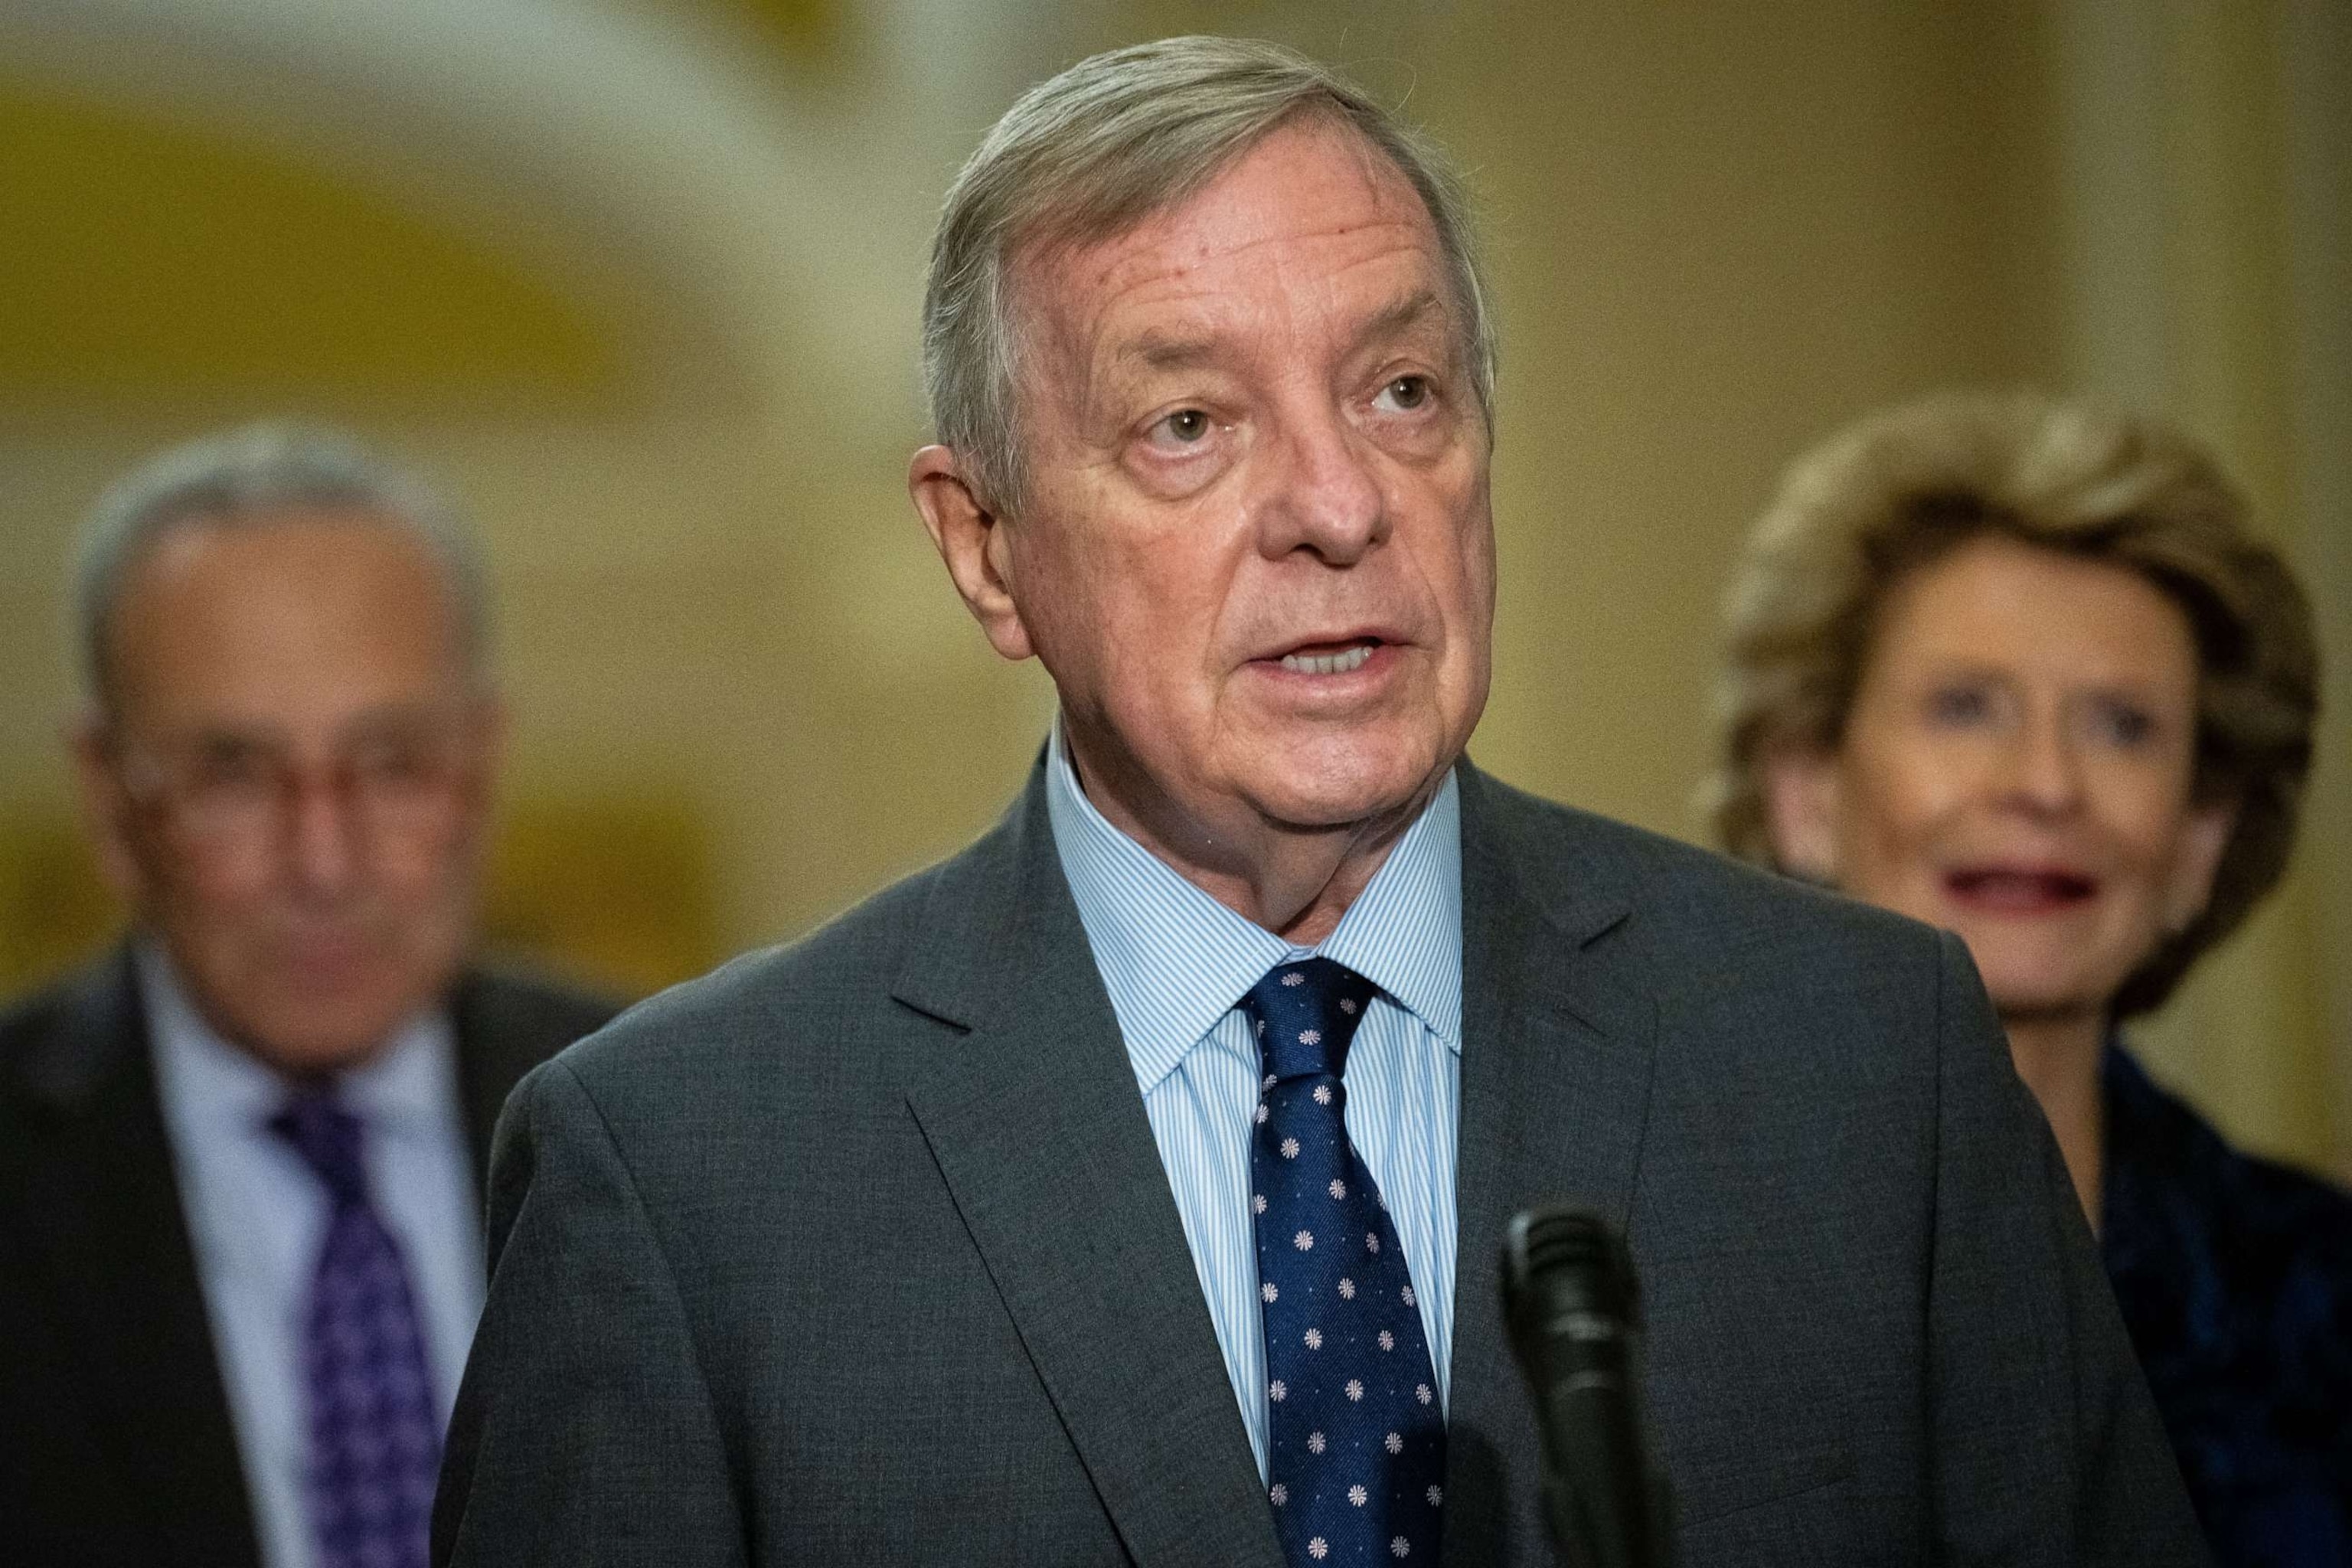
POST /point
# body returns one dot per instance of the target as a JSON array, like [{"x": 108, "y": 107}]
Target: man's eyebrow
[
  {"x": 1400, "y": 316},
  {"x": 1167, "y": 351},
  {"x": 1179, "y": 351}
]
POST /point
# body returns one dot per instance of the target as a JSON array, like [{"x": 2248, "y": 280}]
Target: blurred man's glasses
[{"x": 234, "y": 795}]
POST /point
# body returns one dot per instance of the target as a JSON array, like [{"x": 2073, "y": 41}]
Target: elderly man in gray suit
[{"x": 1129, "y": 1187}]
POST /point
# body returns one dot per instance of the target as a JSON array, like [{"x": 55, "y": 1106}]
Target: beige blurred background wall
[{"x": 639, "y": 280}]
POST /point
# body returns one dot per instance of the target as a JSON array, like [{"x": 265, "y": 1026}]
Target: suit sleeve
[
  {"x": 2030, "y": 1374},
  {"x": 584, "y": 1430}
]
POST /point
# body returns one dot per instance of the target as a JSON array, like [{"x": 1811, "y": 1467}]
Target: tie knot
[
  {"x": 328, "y": 1137},
  {"x": 1307, "y": 1011}
]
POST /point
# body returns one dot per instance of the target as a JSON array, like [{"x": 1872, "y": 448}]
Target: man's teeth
[{"x": 1327, "y": 663}]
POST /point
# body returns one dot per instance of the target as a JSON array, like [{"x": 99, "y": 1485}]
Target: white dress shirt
[{"x": 256, "y": 1215}]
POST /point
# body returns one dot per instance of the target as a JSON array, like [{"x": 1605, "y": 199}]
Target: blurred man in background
[{"x": 240, "y": 1256}]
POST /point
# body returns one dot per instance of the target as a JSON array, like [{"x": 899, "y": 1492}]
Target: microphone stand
[{"x": 1572, "y": 1307}]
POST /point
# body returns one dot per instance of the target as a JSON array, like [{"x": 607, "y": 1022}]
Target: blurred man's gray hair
[
  {"x": 1096, "y": 150},
  {"x": 252, "y": 474}
]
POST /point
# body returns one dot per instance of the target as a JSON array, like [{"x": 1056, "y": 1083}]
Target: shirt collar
[
  {"x": 1175, "y": 961},
  {"x": 409, "y": 1088}
]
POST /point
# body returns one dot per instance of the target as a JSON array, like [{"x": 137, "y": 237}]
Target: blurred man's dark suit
[
  {"x": 862, "y": 1251},
  {"x": 116, "y": 1439}
]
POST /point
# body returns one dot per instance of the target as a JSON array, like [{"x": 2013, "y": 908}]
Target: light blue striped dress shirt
[{"x": 1176, "y": 963}]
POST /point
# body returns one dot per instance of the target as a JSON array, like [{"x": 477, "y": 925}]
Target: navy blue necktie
[
  {"x": 374, "y": 1444},
  {"x": 1356, "y": 1460}
]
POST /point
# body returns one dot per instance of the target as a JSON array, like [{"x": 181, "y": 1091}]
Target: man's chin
[
  {"x": 1325, "y": 799},
  {"x": 305, "y": 1031}
]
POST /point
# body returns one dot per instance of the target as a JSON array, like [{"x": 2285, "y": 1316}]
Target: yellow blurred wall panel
[{"x": 143, "y": 260}]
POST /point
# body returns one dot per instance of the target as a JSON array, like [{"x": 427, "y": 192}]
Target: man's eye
[
  {"x": 1959, "y": 705},
  {"x": 226, "y": 768},
  {"x": 1406, "y": 392},
  {"x": 1186, "y": 425},
  {"x": 389, "y": 764}
]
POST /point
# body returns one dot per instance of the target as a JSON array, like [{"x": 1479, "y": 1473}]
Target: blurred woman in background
[{"x": 2016, "y": 668}]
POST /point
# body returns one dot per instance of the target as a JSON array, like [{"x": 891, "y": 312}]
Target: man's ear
[
  {"x": 106, "y": 808},
  {"x": 976, "y": 545},
  {"x": 2189, "y": 886},
  {"x": 1803, "y": 804}
]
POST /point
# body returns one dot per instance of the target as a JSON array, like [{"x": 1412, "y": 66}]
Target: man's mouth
[
  {"x": 2013, "y": 890},
  {"x": 1329, "y": 658}
]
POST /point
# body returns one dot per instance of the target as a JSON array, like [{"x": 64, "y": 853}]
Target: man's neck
[{"x": 1296, "y": 882}]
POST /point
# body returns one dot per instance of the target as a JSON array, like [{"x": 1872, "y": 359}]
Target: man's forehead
[
  {"x": 425, "y": 716},
  {"x": 293, "y": 617},
  {"x": 342, "y": 541},
  {"x": 1311, "y": 219}
]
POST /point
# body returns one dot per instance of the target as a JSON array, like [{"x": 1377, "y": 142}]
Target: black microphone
[{"x": 1573, "y": 1310}]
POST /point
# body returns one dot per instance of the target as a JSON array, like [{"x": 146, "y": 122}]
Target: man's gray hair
[
  {"x": 248, "y": 475},
  {"x": 1098, "y": 150}
]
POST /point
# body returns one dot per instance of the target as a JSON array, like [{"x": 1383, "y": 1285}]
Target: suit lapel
[
  {"x": 1037, "y": 1126},
  {"x": 115, "y": 1247},
  {"x": 1556, "y": 1065}
]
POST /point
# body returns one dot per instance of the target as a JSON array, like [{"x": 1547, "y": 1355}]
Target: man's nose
[
  {"x": 323, "y": 834},
  {"x": 1326, "y": 496}
]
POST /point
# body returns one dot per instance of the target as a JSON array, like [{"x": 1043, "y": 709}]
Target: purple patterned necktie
[
  {"x": 375, "y": 1446},
  {"x": 1356, "y": 1467}
]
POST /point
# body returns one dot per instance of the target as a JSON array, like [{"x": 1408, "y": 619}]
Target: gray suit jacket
[{"x": 860, "y": 1251}]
